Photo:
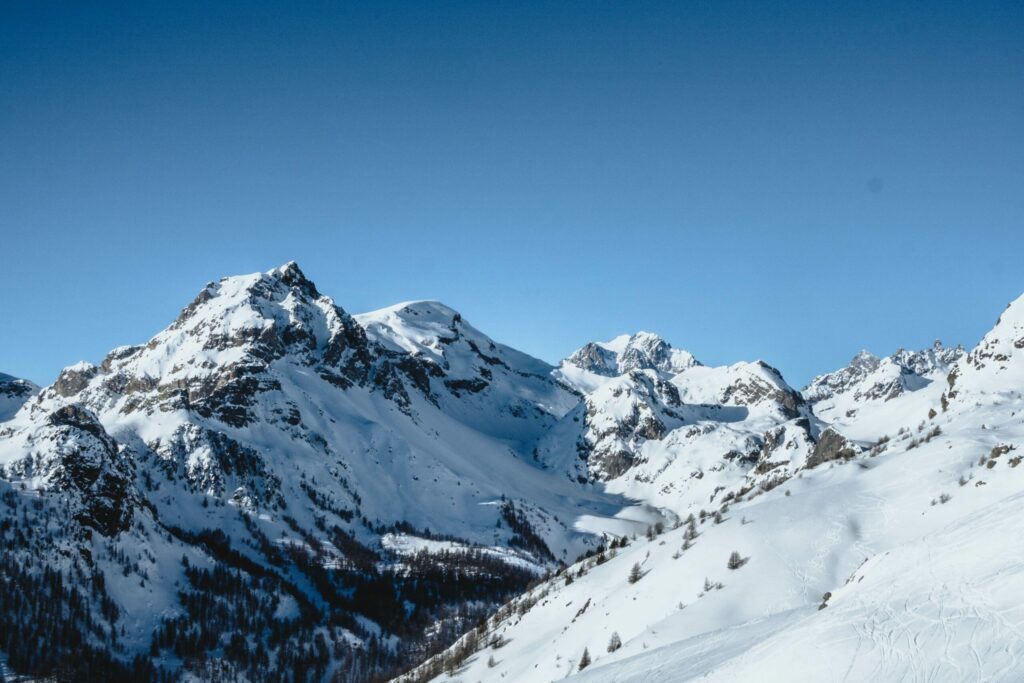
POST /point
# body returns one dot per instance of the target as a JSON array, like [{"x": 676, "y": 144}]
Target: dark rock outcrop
[
  {"x": 89, "y": 468},
  {"x": 831, "y": 445}
]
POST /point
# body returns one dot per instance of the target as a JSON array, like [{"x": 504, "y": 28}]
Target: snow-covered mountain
[
  {"x": 271, "y": 487},
  {"x": 860, "y": 400},
  {"x": 656, "y": 425},
  {"x": 373, "y": 475},
  {"x": 869, "y": 380},
  {"x": 263, "y": 386},
  {"x": 894, "y": 560}
]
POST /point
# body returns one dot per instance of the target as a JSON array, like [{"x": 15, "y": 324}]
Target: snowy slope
[
  {"x": 490, "y": 387},
  {"x": 897, "y": 564}
]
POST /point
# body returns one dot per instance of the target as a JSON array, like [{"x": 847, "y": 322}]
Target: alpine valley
[{"x": 274, "y": 489}]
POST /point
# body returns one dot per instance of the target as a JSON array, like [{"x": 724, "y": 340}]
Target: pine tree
[
  {"x": 615, "y": 642},
  {"x": 735, "y": 561},
  {"x": 635, "y": 574},
  {"x": 584, "y": 660}
]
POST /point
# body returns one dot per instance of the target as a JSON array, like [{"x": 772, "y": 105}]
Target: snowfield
[{"x": 919, "y": 591}]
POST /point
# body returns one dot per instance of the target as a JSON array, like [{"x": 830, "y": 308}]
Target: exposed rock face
[
  {"x": 595, "y": 358},
  {"x": 74, "y": 454},
  {"x": 622, "y": 416},
  {"x": 843, "y": 380},
  {"x": 646, "y": 351},
  {"x": 74, "y": 379},
  {"x": 215, "y": 464},
  {"x": 831, "y": 445},
  {"x": 14, "y": 393},
  {"x": 768, "y": 386},
  {"x": 641, "y": 351},
  {"x": 782, "y": 444}
]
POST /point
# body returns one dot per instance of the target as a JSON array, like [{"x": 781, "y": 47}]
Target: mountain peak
[
  {"x": 996, "y": 364},
  {"x": 868, "y": 377},
  {"x": 291, "y": 275},
  {"x": 626, "y": 353},
  {"x": 1013, "y": 314},
  {"x": 862, "y": 356},
  {"x": 420, "y": 310}
]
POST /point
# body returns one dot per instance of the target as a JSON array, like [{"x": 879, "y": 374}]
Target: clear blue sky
[{"x": 790, "y": 181}]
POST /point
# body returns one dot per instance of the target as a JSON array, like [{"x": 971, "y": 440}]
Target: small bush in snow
[{"x": 709, "y": 586}]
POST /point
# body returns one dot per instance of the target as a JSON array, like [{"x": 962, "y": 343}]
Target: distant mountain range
[{"x": 274, "y": 489}]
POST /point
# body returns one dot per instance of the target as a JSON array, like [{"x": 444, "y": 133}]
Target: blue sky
[{"x": 788, "y": 181}]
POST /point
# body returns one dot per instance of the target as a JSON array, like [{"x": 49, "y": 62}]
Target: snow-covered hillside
[
  {"x": 895, "y": 562},
  {"x": 271, "y": 488}
]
